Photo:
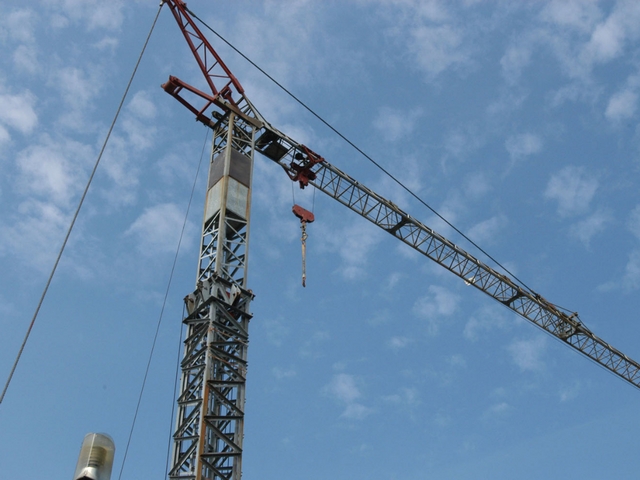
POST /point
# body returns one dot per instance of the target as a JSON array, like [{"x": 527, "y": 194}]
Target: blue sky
[{"x": 517, "y": 121}]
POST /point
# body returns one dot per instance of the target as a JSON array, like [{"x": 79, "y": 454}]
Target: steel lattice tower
[{"x": 210, "y": 420}]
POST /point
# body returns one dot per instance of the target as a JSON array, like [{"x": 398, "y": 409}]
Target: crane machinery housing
[{"x": 209, "y": 431}]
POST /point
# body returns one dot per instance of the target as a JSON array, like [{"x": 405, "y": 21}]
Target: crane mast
[{"x": 210, "y": 420}]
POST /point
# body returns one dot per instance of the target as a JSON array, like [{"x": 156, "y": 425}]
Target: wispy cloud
[
  {"x": 343, "y": 387},
  {"x": 53, "y": 169},
  {"x": 586, "y": 229},
  {"x": 27, "y": 236},
  {"x": 91, "y": 14},
  {"x": 528, "y": 354},
  {"x": 157, "y": 229},
  {"x": 18, "y": 25},
  {"x": 17, "y": 111},
  {"x": 633, "y": 222},
  {"x": 354, "y": 242},
  {"x": 429, "y": 32},
  {"x": 569, "y": 392},
  {"x": 573, "y": 188},
  {"x": 523, "y": 145},
  {"x": 631, "y": 278},
  {"x": 486, "y": 231},
  {"x": 497, "y": 411},
  {"x": 394, "y": 124},
  {"x": 277, "y": 330},
  {"x": 398, "y": 343},
  {"x": 437, "y": 304},
  {"x": 622, "y": 105},
  {"x": 406, "y": 397},
  {"x": 484, "y": 320},
  {"x": 283, "y": 373}
]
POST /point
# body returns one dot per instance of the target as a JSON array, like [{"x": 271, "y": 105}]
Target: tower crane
[{"x": 210, "y": 420}]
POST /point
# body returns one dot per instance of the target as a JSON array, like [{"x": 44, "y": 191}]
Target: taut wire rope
[
  {"x": 175, "y": 381},
  {"x": 77, "y": 212},
  {"x": 164, "y": 302}
]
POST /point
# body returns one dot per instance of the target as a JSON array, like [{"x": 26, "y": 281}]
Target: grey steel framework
[
  {"x": 307, "y": 167},
  {"x": 210, "y": 420}
]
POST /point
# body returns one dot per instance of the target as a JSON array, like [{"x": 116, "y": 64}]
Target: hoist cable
[
  {"x": 175, "y": 382},
  {"x": 77, "y": 212},
  {"x": 359, "y": 150},
  {"x": 164, "y": 303}
]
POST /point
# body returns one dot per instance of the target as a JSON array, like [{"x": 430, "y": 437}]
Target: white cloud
[
  {"x": 487, "y": 230},
  {"x": 528, "y": 354},
  {"x": 633, "y": 223},
  {"x": 486, "y": 319},
  {"x": 277, "y": 331},
  {"x": 570, "y": 392},
  {"x": 283, "y": 373},
  {"x": 122, "y": 173},
  {"x": 585, "y": 229},
  {"x": 607, "y": 40},
  {"x": 438, "y": 303},
  {"x": 515, "y": 59},
  {"x": 17, "y": 111},
  {"x": 354, "y": 242},
  {"x": 581, "y": 36},
  {"x": 18, "y": 25},
  {"x": 437, "y": 48},
  {"x": 107, "y": 43},
  {"x": 497, "y": 410},
  {"x": 631, "y": 277},
  {"x": 78, "y": 87},
  {"x": 575, "y": 14},
  {"x": 476, "y": 185},
  {"x": 142, "y": 106},
  {"x": 405, "y": 397},
  {"x": 25, "y": 58},
  {"x": 30, "y": 236},
  {"x": 59, "y": 177},
  {"x": 157, "y": 229},
  {"x": 394, "y": 124},
  {"x": 429, "y": 32},
  {"x": 462, "y": 143},
  {"x": 311, "y": 347},
  {"x": 573, "y": 189},
  {"x": 356, "y": 411},
  {"x": 285, "y": 39},
  {"x": 622, "y": 105},
  {"x": 93, "y": 14},
  {"x": 343, "y": 387},
  {"x": 523, "y": 145},
  {"x": 397, "y": 343},
  {"x": 630, "y": 280},
  {"x": 5, "y": 137}
]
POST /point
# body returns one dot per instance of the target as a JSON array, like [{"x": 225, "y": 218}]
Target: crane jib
[
  {"x": 294, "y": 158},
  {"x": 418, "y": 236}
]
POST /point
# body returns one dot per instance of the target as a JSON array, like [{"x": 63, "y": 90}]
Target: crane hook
[{"x": 305, "y": 217}]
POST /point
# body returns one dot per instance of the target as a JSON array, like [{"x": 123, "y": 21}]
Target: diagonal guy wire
[{"x": 75, "y": 216}]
